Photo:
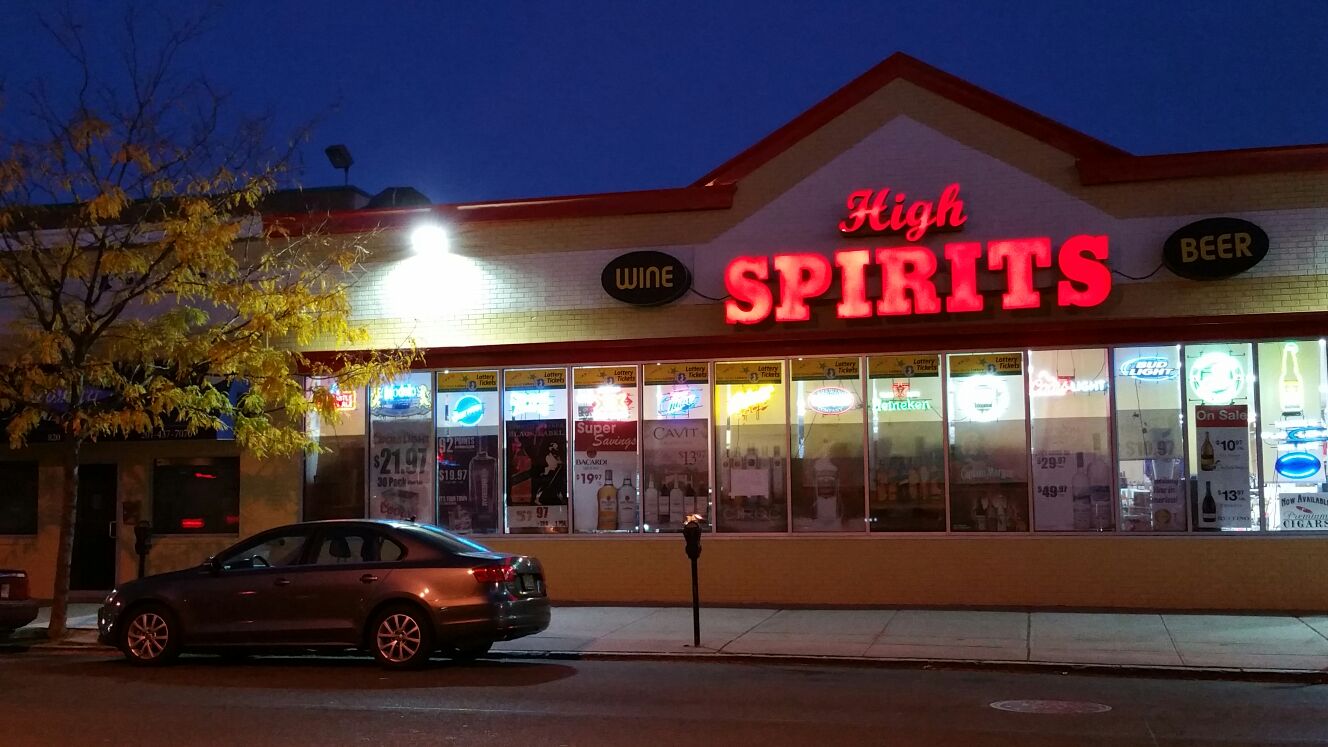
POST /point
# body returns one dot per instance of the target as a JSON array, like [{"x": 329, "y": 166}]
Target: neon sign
[
  {"x": 831, "y": 400},
  {"x": 678, "y": 403},
  {"x": 869, "y": 210},
  {"x": 746, "y": 402},
  {"x": 604, "y": 402},
  {"x": 1217, "y": 378},
  {"x": 982, "y": 399},
  {"x": 1297, "y": 465},
  {"x": 468, "y": 410},
  {"x": 1148, "y": 368},
  {"x": 906, "y": 285},
  {"x": 344, "y": 400},
  {"x": 536, "y": 403},
  {"x": 890, "y": 404},
  {"x": 1044, "y": 384}
]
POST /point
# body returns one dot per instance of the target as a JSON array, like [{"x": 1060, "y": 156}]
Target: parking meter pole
[
  {"x": 691, "y": 536},
  {"x": 142, "y": 544}
]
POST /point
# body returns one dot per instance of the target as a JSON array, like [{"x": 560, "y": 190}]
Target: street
[{"x": 76, "y": 698}]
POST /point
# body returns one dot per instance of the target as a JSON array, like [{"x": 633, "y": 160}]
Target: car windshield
[{"x": 442, "y": 538}]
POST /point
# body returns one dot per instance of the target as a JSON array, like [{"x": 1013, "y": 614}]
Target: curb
[{"x": 1042, "y": 667}]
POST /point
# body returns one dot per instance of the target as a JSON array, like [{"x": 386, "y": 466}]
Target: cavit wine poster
[
  {"x": 537, "y": 476},
  {"x": 605, "y": 458},
  {"x": 468, "y": 484},
  {"x": 1223, "y": 488},
  {"x": 677, "y": 472}
]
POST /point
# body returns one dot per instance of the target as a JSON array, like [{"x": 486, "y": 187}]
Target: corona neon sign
[{"x": 905, "y": 275}]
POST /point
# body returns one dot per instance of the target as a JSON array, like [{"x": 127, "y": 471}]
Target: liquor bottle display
[
  {"x": 607, "y": 497},
  {"x": 627, "y": 506},
  {"x": 1291, "y": 387},
  {"x": 1081, "y": 493},
  {"x": 650, "y": 506},
  {"x": 1207, "y": 460},
  {"x": 483, "y": 477}
]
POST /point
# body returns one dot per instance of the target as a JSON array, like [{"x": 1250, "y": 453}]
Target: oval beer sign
[
  {"x": 1215, "y": 248},
  {"x": 646, "y": 278}
]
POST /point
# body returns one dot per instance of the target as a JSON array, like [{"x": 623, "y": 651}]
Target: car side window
[
  {"x": 274, "y": 551},
  {"x": 342, "y": 546}
]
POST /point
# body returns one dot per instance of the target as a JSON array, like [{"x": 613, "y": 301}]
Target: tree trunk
[{"x": 64, "y": 551}]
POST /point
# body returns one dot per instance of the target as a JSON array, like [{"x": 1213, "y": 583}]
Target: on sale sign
[{"x": 1222, "y": 439}]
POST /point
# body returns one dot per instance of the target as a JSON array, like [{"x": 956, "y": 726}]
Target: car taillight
[
  {"x": 18, "y": 585},
  {"x": 494, "y": 574}
]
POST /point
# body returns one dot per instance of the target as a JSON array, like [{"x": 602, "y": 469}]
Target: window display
[
  {"x": 1149, "y": 439},
  {"x": 1070, "y": 409},
  {"x": 751, "y": 438},
  {"x": 988, "y": 443},
  {"x": 605, "y": 496},
  {"x": 1219, "y": 392},
  {"x": 334, "y": 476},
  {"x": 907, "y": 440},
  {"x": 468, "y": 418},
  {"x": 535, "y": 431},
  {"x": 827, "y": 459},
  {"x": 1294, "y": 434},
  {"x": 400, "y": 446},
  {"x": 675, "y": 445}
]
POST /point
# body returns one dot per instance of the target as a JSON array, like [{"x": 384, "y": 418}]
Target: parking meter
[
  {"x": 691, "y": 537},
  {"x": 142, "y": 544}
]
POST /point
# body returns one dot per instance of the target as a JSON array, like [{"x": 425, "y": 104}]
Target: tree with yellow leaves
[{"x": 139, "y": 286}]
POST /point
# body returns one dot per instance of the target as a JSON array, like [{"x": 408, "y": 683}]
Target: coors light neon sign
[{"x": 906, "y": 271}]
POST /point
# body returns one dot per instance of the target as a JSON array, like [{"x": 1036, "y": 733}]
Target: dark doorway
[{"x": 93, "y": 566}]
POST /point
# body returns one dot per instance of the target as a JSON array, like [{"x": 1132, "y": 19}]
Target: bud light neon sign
[
  {"x": 1148, "y": 368},
  {"x": 678, "y": 403}
]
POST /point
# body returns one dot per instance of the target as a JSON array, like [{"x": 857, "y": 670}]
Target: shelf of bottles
[{"x": 1151, "y": 438}]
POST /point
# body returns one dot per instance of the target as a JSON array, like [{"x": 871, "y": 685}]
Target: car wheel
[
  {"x": 470, "y": 652},
  {"x": 151, "y": 636},
  {"x": 401, "y": 638}
]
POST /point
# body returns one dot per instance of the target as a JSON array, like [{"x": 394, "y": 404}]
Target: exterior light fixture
[{"x": 430, "y": 239}]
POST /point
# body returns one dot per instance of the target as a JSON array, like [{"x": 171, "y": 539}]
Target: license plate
[
  {"x": 529, "y": 583},
  {"x": 4, "y": 591}
]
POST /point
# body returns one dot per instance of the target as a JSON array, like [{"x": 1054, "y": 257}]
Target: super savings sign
[{"x": 907, "y": 271}]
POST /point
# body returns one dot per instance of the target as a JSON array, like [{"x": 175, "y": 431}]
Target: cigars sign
[{"x": 901, "y": 279}]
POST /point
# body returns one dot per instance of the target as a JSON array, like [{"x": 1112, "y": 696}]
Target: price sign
[
  {"x": 550, "y": 519},
  {"x": 1053, "y": 472},
  {"x": 1222, "y": 442}
]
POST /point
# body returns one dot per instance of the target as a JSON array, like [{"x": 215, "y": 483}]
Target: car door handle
[
  {"x": 368, "y": 578},
  {"x": 282, "y": 582}
]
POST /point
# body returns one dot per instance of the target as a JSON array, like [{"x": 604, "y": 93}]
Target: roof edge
[{"x": 1212, "y": 163}]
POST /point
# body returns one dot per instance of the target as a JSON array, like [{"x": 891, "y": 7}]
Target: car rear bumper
[
  {"x": 15, "y": 613},
  {"x": 522, "y": 617}
]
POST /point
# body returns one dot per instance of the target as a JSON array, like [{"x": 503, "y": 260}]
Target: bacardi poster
[
  {"x": 537, "y": 476},
  {"x": 468, "y": 484},
  {"x": 677, "y": 477},
  {"x": 605, "y": 494},
  {"x": 1223, "y": 487},
  {"x": 400, "y": 447}
]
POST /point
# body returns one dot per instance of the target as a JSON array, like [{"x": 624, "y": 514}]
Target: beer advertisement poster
[
  {"x": 677, "y": 473},
  {"x": 468, "y": 498},
  {"x": 604, "y": 490},
  {"x": 400, "y": 448},
  {"x": 536, "y": 476}
]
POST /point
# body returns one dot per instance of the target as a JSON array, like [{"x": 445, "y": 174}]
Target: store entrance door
[{"x": 93, "y": 565}]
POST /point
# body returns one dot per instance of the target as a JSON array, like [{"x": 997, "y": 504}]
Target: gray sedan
[{"x": 397, "y": 589}]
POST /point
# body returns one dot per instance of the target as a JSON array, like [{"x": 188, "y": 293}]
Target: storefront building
[{"x": 920, "y": 346}]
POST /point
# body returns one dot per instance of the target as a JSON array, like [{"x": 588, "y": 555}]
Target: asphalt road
[{"x": 80, "y": 699}]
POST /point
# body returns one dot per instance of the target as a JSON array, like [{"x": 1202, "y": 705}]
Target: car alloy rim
[
  {"x": 398, "y": 638},
  {"x": 148, "y": 635}
]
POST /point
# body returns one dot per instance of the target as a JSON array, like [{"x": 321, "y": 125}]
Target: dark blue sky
[{"x": 486, "y": 100}]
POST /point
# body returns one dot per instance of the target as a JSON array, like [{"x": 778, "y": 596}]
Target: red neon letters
[
  {"x": 871, "y": 211},
  {"x": 906, "y": 279}
]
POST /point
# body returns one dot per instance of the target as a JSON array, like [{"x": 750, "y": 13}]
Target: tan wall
[{"x": 1173, "y": 573}]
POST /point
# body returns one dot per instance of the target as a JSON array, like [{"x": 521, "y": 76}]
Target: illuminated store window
[
  {"x": 196, "y": 495},
  {"x": 468, "y": 417},
  {"x": 334, "y": 477},
  {"x": 1150, "y": 439},
  {"x": 1295, "y": 434},
  {"x": 606, "y": 494},
  {"x": 1219, "y": 388},
  {"x": 988, "y": 443},
  {"x": 906, "y": 472},
  {"x": 401, "y": 461},
  {"x": 1070, "y": 420},
  {"x": 535, "y": 438},
  {"x": 751, "y": 440},
  {"x": 675, "y": 445},
  {"x": 826, "y": 465}
]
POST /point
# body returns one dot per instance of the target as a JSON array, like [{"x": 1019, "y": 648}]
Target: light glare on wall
[{"x": 430, "y": 238}]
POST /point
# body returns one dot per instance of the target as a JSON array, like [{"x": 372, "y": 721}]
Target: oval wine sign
[
  {"x": 646, "y": 278},
  {"x": 1215, "y": 248}
]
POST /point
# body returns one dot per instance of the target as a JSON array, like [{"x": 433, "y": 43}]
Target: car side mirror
[{"x": 212, "y": 565}]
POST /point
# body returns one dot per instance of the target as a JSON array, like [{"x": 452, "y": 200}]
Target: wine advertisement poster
[
  {"x": 536, "y": 476},
  {"x": 1223, "y": 487},
  {"x": 468, "y": 499},
  {"x": 604, "y": 491},
  {"x": 677, "y": 472}
]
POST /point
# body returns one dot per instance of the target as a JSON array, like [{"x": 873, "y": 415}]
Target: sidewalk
[{"x": 1177, "y": 642}]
